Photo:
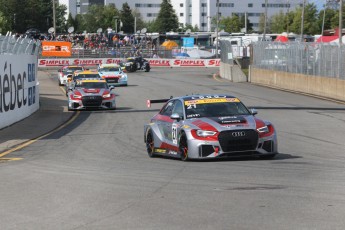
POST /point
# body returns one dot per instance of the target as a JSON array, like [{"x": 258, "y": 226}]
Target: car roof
[
  {"x": 108, "y": 65},
  {"x": 203, "y": 96},
  {"x": 93, "y": 80},
  {"x": 86, "y": 72}
]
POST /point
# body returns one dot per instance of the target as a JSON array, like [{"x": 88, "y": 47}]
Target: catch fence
[
  {"x": 318, "y": 59},
  {"x": 11, "y": 44}
]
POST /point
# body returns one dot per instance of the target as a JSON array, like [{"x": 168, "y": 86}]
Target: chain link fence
[
  {"x": 10, "y": 44},
  {"x": 318, "y": 59}
]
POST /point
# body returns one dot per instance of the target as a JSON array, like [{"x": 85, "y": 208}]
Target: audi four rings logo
[{"x": 238, "y": 134}]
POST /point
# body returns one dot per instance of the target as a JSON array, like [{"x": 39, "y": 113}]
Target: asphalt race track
[{"x": 95, "y": 173}]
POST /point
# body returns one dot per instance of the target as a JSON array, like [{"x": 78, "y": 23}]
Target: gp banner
[
  {"x": 159, "y": 62},
  {"x": 56, "y": 49}
]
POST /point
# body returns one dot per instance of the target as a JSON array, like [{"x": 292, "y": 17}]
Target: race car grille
[
  {"x": 268, "y": 146},
  {"x": 112, "y": 80},
  {"x": 92, "y": 101},
  {"x": 206, "y": 150},
  {"x": 238, "y": 140}
]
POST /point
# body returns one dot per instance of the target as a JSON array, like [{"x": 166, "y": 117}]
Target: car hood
[
  {"x": 85, "y": 92},
  {"x": 224, "y": 123},
  {"x": 111, "y": 74}
]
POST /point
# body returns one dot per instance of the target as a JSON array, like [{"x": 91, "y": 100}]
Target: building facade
[{"x": 196, "y": 12}]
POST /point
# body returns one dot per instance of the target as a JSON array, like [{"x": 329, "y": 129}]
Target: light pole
[
  {"x": 116, "y": 18},
  {"x": 340, "y": 38},
  {"x": 217, "y": 24},
  {"x": 302, "y": 23},
  {"x": 54, "y": 18},
  {"x": 265, "y": 22}
]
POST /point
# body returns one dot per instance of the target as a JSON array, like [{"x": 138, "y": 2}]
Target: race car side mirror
[
  {"x": 253, "y": 111},
  {"x": 175, "y": 116}
]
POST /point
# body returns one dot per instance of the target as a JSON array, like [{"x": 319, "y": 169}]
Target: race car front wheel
[
  {"x": 183, "y": 147},
  {"x": 150, "y": 147}
]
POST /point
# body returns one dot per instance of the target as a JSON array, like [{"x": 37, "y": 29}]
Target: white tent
[{"x": 196, "y": 53}]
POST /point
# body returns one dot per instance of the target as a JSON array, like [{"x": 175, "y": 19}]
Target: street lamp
[
  {"x": 116, "y": 18},
  {"x": 217, "y": 24},
  {"x": 54, "y": 18}
]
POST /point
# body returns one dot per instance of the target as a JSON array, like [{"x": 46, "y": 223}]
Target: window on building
[
  {"x": 181, "y": 4},
  {"x": 203, "y": 14},
  {"x": 250, "y": 5},
  {"x": 181, "y": 14},
  {"x": 203, "y": 4},
  {"x": 204, "y": 24}
]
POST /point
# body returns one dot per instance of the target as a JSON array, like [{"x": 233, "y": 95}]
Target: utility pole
[
  {"x": 265, "y": 22},
  {"x": 54, "y": 18},
  {"x": 302, "y": 23},
  {"x": 340, "y": 38},
  {"x": 217, "y": 29}
]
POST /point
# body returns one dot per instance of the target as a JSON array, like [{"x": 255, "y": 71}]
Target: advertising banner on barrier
[
  {"x": 159, "y": 62},
  {"x": 19, "y": 93},
  {"x": 56, "y": 49}
]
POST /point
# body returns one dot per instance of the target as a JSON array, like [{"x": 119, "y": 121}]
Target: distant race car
[
  {"x": 208, "y": 126},
  {"x": 133, "y": 64},
  {"x": 65, "y": 71},
  {"x": 113, "y": 74},
  {"x": 78, "y": 76},
  {"x": 91, "y": 94}
]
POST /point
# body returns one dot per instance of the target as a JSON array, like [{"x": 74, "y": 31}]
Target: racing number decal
[
  {"x": 174, "y": 134},
  {"x": 191, "y": 106}
]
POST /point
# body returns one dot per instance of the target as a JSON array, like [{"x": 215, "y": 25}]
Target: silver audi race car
[
  {"x": 208, "y": 126},
  {"x": 91, "y": 94}
]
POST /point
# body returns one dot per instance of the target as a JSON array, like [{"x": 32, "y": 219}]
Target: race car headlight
[
  {"x": 263, "y": 129},
  {"x": 266, "y": 131},
  {"x": 108, "y": 95},
  {"x": 205, "y": 133},
  {"x": 74, "y": 96}
]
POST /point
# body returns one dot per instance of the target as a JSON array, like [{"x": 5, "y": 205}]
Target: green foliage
[
  {"x": 231, "y": 24},
  {"x": 127, "y": 19},
  {"x": 279, "y": 22},
  {"x": 167, "y": 19}
]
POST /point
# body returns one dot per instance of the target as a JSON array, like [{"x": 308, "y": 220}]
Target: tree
[
  {"x": 278, "y": 23},
  {"x": 127, "y": 19},
  {"x": 167, "y": 19},
  {"x": 231, "y": 24}
]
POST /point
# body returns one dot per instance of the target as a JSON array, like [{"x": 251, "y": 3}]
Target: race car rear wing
[{"x": 149, "y": 102}]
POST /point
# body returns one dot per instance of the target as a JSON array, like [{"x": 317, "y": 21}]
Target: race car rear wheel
[
  {"x": 183, "y": 147},
  {"x": 150, "y": 147}
]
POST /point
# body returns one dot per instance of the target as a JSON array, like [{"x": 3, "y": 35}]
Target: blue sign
[{"x": 188, "y": 42}]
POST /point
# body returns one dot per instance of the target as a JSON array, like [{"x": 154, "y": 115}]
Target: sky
[{"x": 318, "y": 3}]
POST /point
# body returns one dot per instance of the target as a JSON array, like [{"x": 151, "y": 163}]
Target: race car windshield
[
  {"x": 93, "y": 85},
  {"x": 72, "y": 69},
  {"x": 112, "y": 69},
  {"x": 80, "y": 76},
  {"x": 215, "y": 109}
]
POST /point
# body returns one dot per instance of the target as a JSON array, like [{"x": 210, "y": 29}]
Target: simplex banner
[{"x": 159, "y": 62}]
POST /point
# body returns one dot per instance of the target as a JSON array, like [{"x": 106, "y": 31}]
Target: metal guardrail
[
  {"x": 11, "y": 44},
  {"x": 318, "y": 59}
]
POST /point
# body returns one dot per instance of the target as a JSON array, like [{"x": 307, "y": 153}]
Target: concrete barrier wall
[
  {"x": 232, "y": 72},
  {"x": 320, "y": 86},
  {"x": 19, "y": 89}
]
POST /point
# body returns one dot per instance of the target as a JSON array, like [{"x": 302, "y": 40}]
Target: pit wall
[
  {"x": 19, "y": 88},
  {"x": 320, "y": 86}
]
